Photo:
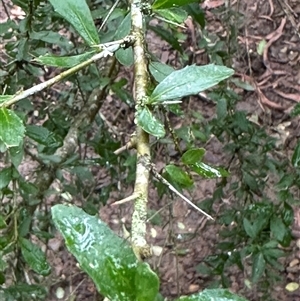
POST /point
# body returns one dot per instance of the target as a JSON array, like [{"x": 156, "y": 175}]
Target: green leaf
[
  {"x": 22, "y": 49},
  {"x": 147, "y": 121},
  {"x": 12, "y": 129},
  {"x": 105, "y": 257},
  {"x": 3, "y": 225},
  {"x": 221, "y": 108},
  {"x": 64, "y": 61},
  {"x": 43, "y": 136},
  {"x": 179, "y": 176},
  {"x": 170, "y": 3},
  {"x": 213, "y": 295},
  {"x": 258, "y": 266},
  {"x": 176, "y": 15},
  {"x": 34, "y": 257},
  {"x": 24, "y": 291},
  {"x": 16, "y": 154},
  {"x": 207, "y": 171},
  {"x": 278, "y": 228},
  {"x": 296, "y": 156},
  {"x": 160, "y": 71},
  {"x": 193, "y": 155},
  {"x": 52, "y": 37},
  {"x": 250, "y": 181},
  {"x": 167, "y": 36},
  {"x": 124, "y": 56},
  {"x": 248, "y": 227},
  {"x": 197, "y": 13},
  {"x": 4, "y": 98},
  {"x": 5, "y": 177},
  {"x": 261, "y": 46},
  {"x": 124, "y": 28},
  {"x": 287, "y": 214},
  {"x": 78, "y": 14},
  {"x": 189, "y": 81},
  {"x": 296, "y": 110},
  {"x": 242, "y": 84},
  {"x": 146, "y": 287}
]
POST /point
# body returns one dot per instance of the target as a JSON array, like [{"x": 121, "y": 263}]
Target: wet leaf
[
  {"x": 189, "y": 81},
  {"x": 207, "y": 171},
  {"x": 148, "y": 122},
  {"x": 105, "y": 257}
]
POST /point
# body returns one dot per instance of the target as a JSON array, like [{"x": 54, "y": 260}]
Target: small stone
[
  {"x": 294, "y": 262},
  {"x": 157, "y": 250},
  {"x": 193, "y": 288},
  {"x": 292, "y": 286}
]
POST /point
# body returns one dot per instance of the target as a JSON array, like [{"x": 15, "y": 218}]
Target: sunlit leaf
[
  {"x": 208, "y": 171},
  {"x": 189, "y": 81},
  {"x": 78, "y": 14},
  {"x": 12, "y": 129}
]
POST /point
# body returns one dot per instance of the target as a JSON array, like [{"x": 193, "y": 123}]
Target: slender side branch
[
  {"x": 141, "y": 81},
  {"x": 106, "y": 49}
]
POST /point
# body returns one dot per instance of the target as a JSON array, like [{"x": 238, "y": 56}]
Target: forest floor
[{"x": 185, "y": 238}]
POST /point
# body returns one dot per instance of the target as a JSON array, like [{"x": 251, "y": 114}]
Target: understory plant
[{"x": 51, "y": 130}]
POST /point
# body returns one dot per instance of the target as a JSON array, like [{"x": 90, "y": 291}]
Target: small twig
[
  {"x": 107, "y": 49},
  {"x": 126, "y": 200},
  {"x": 172, "y": 188}
]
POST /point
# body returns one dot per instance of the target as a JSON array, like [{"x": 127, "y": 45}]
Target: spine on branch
[{"x": 141, "y": 81}]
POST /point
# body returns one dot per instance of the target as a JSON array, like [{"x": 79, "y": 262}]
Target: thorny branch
[
  {"x": 141, "y": 81},
  {"x": 106, "y": 49}
]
